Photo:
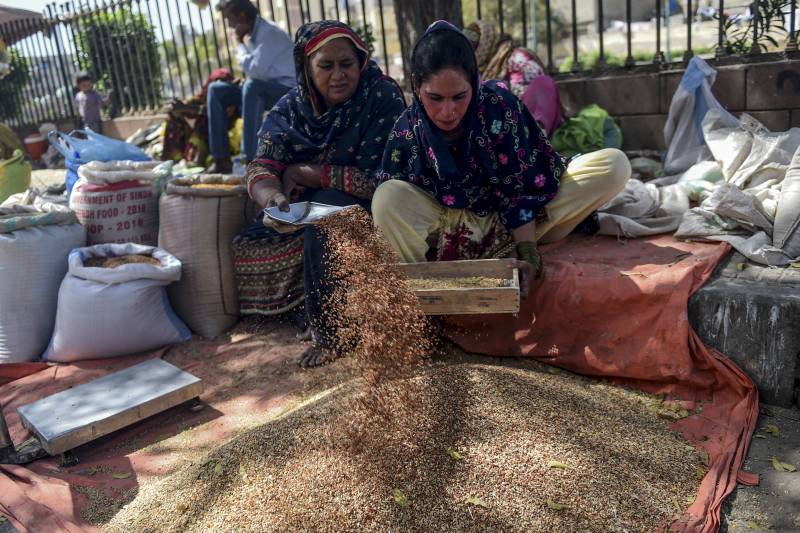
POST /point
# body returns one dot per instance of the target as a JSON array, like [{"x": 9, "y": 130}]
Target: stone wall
[{"x": 769, "y": 91}]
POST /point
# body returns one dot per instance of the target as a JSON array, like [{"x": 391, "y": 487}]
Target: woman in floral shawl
[
  {"x": 323, "y": 141},
  {"x": 468, "y": 173}
]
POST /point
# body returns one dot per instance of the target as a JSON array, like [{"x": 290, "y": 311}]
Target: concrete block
[
  {"x": 124, "y": 127},
  {"x": 728, "y": 88},
  {"x": 668, "y": 84},
  {"x": 642, "y": 132},
  {"x": 573, "y": 95},
  {"x": 774, "y": 120},
  {"x": 753, "y": 317},
  {"x": 625, "y": 95},
  {"x": 773, "y": 85},
  {"x": 794, "y": 121}
]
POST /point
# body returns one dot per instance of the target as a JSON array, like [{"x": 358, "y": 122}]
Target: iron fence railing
[{"x": 145, "y": 52}]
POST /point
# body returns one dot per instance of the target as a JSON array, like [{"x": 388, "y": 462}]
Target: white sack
[
  {"x": 110, "y": 312},
  {"x": 33, "y": 261},
  {"x": 683, "y": 134}
]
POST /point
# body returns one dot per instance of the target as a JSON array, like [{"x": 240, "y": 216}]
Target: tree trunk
[{"x": 414, "y": 17}]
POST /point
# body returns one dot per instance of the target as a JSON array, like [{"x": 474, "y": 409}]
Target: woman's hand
[
  {"x": 268, "y": 193},
  {"x": 301, "y": 174},
  {"x": 529, "y": 253},
  {"x": 525, "y": 275}
]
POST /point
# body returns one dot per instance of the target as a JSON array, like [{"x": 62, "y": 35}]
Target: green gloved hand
[{"x": 528, "y": 252}]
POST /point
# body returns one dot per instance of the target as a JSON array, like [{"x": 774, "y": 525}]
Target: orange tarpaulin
[
  {"x": 604, "y": 308},
  {"x": 244, "y": 379},
  {"x": 619, "y": 311}
]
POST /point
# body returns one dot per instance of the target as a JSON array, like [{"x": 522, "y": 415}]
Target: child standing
[{"x": 89, "y": 102}]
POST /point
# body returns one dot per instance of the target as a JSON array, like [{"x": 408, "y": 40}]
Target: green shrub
[
  {"x": 12, "y": 85},
  {"x": 588, "y": 61},
  {"x": 119, "y": 50}
]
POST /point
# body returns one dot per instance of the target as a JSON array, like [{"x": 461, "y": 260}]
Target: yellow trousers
[{"x": 409, "y": 217}]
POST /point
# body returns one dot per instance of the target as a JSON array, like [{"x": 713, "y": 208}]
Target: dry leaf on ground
[
  {"x": 555, "y": 506},
  {"x": 474, "y": 500},
  {"x": 780, "y": 466},
  {"x": 454, "y": 454},
  {"x": 772, "y": 429},
  {"x": 400, "y": 498}
]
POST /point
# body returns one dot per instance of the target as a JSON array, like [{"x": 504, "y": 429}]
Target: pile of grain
[
  {"x": 114, "y": 262},
  {"x": 412, "y": 447},
  {"x": 495, "y": 448},
  {"x": 474, "y": 282}
]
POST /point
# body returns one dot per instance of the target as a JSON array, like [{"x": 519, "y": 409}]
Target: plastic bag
[
  {"x": 15, "y": 175},
  {"x": 683, "y": 132},
  {"x": 9, "y": 142},
  {"x": 786, "y": 233},
  {"x": 78, "y": 151},
  {"x": 701, "y": 180},
  {"x": 590, "y": 130}
]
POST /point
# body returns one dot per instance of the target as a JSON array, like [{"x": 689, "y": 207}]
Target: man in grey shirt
[{"x": 265, "y": 56}]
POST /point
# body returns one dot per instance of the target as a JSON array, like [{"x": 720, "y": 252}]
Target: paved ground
[{"x": 774, "y": 505}]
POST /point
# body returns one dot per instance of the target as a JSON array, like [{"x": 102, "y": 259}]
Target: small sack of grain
[
  {"x": 34, "y": 246},
  {"x": 113, "y": 302},
  {"x": 200, "y": 216},
  {"x": 117, "y": 201}
]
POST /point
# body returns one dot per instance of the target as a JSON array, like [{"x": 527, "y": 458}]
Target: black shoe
[
  {"x": 589, "y": 226},
  {"x": 220, "y": 167}
]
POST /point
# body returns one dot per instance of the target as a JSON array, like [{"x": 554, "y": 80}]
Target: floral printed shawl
[
  {"x": 351, "y": 133},
  {"x": 505, "y": 163}
]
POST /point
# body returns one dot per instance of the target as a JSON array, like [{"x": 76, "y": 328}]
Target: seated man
[{"x": 265, "y": 56}]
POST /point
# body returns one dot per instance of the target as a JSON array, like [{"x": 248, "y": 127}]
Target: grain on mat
[
  {"x": 429, "y": 447},
  {"x": 625, "y": 469}
]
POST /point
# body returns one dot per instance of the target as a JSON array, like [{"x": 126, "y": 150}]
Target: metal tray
[
  {"x": 73, "y": 417},
  {"x": 302, "y": 213}
]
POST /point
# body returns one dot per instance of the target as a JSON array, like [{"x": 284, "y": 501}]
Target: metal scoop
[{"x": 302, "y": 213}]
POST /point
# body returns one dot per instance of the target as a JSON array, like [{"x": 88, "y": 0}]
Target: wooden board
[
  {"x": 467, "y": 300},
  {"x": 79, "y": 415}
]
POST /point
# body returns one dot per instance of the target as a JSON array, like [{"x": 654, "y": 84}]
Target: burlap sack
[{"x": 199, "y": 218}]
